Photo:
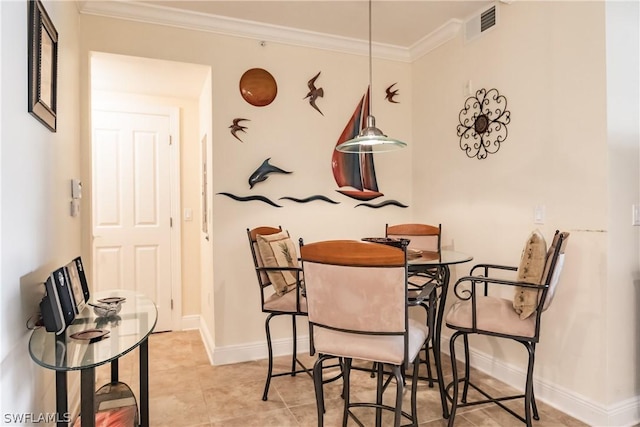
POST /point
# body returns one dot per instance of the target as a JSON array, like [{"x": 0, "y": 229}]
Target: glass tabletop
[
  {"x": 444, "y": 257},
  {"x": 132, "y": 325}
]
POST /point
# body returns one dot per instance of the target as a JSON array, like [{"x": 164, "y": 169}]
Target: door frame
[{"x": 127, "y": 105}]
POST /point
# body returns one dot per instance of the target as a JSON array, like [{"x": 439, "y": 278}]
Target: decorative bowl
[{"x": 107, "y": 309}]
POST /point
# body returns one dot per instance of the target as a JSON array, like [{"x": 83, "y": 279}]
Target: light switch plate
[{"x": 635, "y": 214}]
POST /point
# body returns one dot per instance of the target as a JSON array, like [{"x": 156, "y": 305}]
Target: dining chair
[
  {"x": 422, "y": 238},
  {"x": 275, "y": 261},
  {"x": 517, "y": 319},
  {"x": 357, "y": 300}
]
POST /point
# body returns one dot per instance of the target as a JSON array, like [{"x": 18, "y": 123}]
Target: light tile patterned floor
[{"x": 186, "y": 391}]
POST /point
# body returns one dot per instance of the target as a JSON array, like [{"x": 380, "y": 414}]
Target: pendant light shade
[{"x": 370, "y": 139}]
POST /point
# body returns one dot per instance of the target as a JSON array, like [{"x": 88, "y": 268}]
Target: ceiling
[
  {"x": 396, "y": 23},
  {"x": 405, "y": 29}
]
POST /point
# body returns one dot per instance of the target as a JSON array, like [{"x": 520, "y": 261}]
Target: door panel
[{"x": 132, "y": 206}]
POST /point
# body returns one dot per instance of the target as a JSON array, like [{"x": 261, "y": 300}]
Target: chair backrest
[
  {"x": 553, "y": 266},
  {"x": 423, "y": 237},
  {"x": 263, "y": 278},
  {"x": 356, "y": 287}
]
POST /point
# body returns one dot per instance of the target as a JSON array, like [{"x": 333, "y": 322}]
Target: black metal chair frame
[
  {"x": 425, "y": 296},
  {"x": 298, "y": 312},
  {"x": 466, "y": 293}
]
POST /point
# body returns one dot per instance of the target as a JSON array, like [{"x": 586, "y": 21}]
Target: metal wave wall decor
[
  {"x": 483, "y": 123},
  {"x": 317, "y": 197},
  {"x": 250, "y": 199},
  {"x": 383, "y": 204}
]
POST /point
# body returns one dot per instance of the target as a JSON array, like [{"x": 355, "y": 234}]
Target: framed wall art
[{"x": 43, "y": 66}]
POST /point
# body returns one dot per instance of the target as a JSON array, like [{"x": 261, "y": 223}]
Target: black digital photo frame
[
  {"x": 65, "y": 294},
  {"x": 50, "y": 309},
  {"x": 77, "y": 284}
]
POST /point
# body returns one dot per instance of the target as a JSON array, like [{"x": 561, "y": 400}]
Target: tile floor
[{"x": 186, "y": 391}]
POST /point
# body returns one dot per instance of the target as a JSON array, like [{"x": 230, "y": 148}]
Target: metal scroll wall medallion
[{"x": 483, "y": 123}]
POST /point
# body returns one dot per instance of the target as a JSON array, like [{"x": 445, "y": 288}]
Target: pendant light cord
[{"x": 370, "y": 65}]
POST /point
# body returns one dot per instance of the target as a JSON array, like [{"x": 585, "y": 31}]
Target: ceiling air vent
[{"x": 480, "y": 23}]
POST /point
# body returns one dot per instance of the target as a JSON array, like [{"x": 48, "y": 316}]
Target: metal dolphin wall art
[{"x": 263, "y": 172}]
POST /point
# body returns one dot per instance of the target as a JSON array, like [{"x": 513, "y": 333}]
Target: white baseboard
[
  {"x": 190, "y": 322},
  {"x": 257, "y": 350},
  {"x": 207, "y": 340},
  {"x": 626, "y": 413}
]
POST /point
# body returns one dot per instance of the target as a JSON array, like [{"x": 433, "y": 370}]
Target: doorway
[{"x": 143, "y": 215}]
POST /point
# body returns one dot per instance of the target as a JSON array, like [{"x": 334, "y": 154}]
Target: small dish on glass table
[
  {"x": 413, "y": 253},
  {"x": 398, "y": 243}
]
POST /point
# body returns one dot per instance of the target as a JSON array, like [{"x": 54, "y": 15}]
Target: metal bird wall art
[
  {"x": 263, "y": 172},
  {"x": 237, "y": 127},
  {"x": 314, "y": 92},
  {"x": 391, "y": 93}
]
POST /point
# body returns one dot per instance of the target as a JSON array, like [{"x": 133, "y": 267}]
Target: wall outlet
[{"x": 538, "y": 214}]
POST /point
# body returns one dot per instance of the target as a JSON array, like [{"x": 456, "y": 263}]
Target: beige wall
[
  {"x": 289, "y": 131},
  {"x": 38, "y": 233},
  {"x": 548, "y": 59},
  {"x": 623, "y": 133}
]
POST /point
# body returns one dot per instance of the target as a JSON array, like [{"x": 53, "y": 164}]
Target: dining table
[{"x": 438, "y": 264}]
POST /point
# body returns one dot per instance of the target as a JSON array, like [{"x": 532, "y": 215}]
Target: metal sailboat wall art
[{"x": 355, "y": 173}]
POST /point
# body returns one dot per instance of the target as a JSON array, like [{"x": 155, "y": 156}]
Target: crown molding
[
  {"x": 436, "y": 38},
  {"x": 154, "y": 14}
]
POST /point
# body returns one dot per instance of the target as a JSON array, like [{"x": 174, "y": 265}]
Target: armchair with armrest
[
  {"x": 276, "y": 264},
  {"x": 478, "y": 313}
]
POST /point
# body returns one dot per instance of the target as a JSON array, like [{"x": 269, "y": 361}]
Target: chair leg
[
  {"x": 399, "y": 386},
  {"x": 270, "y": 351},
  {"x": 427, "y": 361},
  {"x": 345, "y": 378},
  {"x": 295, "y": 346},
  {"x": 467, "y": 369},
  {"x": 317, "y": 384},
  {"x": 534, "y": 407},
  {"x": 454, "y": 370},
  {"x": 414, "y": 392},
  {"x": 379, "y": 387},
  {"x": 528, "y": 395},
  {"x": 533, "y": 396},
  {"x": 430, "y": 313}
]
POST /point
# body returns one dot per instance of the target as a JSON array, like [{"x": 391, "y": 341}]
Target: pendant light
[{"x": 370, "y": 139}]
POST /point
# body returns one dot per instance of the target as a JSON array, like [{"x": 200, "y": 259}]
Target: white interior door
[{"x": 132, "y": 206}]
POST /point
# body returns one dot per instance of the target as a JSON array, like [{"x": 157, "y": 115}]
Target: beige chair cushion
[
  {"x": 492, "y": 315},
  {"x": 531, "y": 269},
  {"x": 285, "y": 303},
  {"x": 374, "y": 348},
  {"x": 277, "y": 250}
]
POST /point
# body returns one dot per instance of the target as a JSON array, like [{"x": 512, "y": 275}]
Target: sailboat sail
[{"x": 355, "y": 173}]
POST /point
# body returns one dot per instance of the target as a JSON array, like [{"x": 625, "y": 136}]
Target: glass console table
[{"x": 129, "y": 329}]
